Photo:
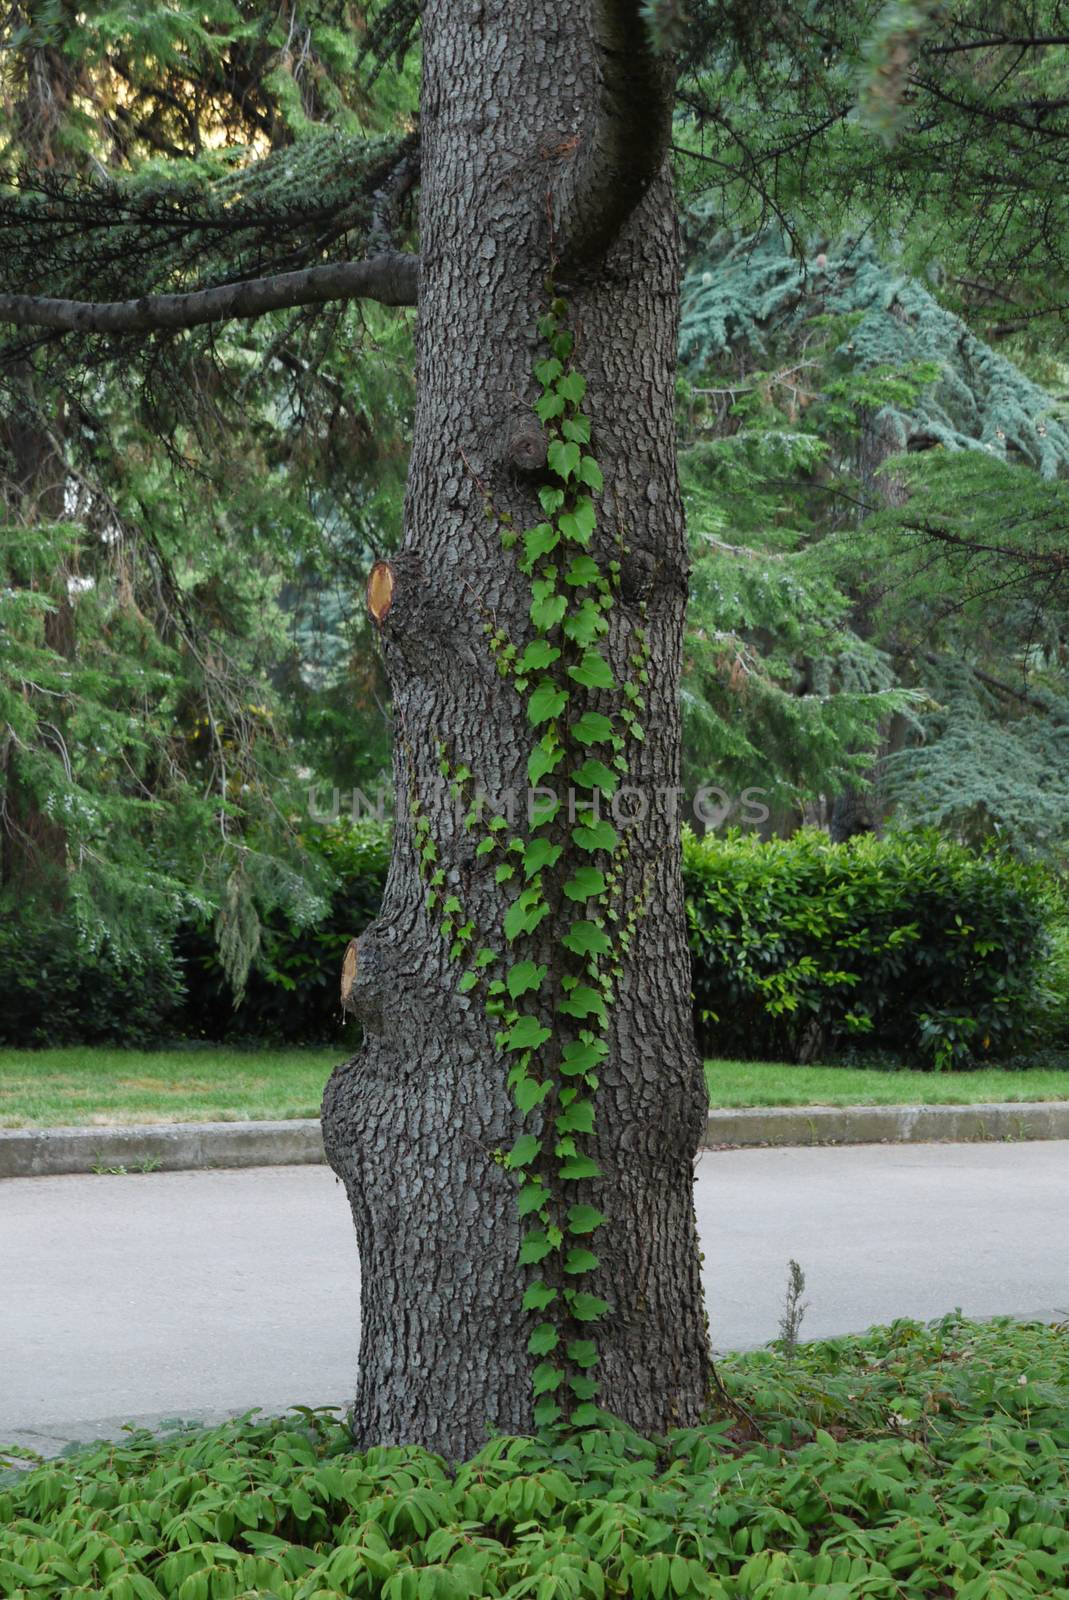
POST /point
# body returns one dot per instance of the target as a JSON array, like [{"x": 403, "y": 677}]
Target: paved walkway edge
[{"x": 186, "y": 1146}]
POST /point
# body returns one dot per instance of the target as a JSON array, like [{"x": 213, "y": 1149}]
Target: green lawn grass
[
  {"x": 97, "y": 1087},
  {"x": 778, "y": 1083},
  {"x": 94, "y": 1087}
]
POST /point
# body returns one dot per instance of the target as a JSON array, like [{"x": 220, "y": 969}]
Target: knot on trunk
[
  {"x": 646, "y": 576},
  {"x": 399, "y": 601},
  {"x": 527, "y": 450},
  {"x": 380, "y": 591},
  {"x": 364, "y": 983},
  {"x": 349, "y": 965}
]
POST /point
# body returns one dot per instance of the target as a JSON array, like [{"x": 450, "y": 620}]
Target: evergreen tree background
[{"x": 872, "y": 423}]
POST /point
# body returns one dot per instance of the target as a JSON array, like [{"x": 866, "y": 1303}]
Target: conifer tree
[{"x": 877, "y": 496}]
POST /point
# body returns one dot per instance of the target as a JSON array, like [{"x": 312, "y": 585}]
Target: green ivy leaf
[
  {"x": 592, "y": 728},
  {"x": 596, "y": 835},
  {"x": 585, "y": 516},
  {"x": 549, "y": 405},
  {"x": 579, "y": 1167},
  {"x": 523, "y": 1151},
  {"x": 562, "y": 455},
  {"x": 525, "y": 913},
  {"x": 546, "y": 613},
  {"x": 504, "y": 872},
  {"x": 587, "y": 1307},
  {"x": 593, "y": 671},
  {"x": 547, "y": 701},
  {"x": 573, "y": 387},
  {"x": 582, "y": 1056},
  {"x": 468, "y": 982},
  {"x": 587, "y": 939},
  {"x": 540, "y": 853},
  {"x": 532, "y": 1197},
  {"x": 595, "y": 774},
  {"x": 538, "y": 1296},
  {"x": 590, "y": 473},
  {"x": 546, "y": 1413},
  {"x": 529, "y": 1093},
  {"x": 535, "y": 1247},
  {"x": 523, "y": 976},
  {"x": 584, "y": 1352},
  {"x": 562, "y": 343},
  {"x": 583, "y": 570},
  {"x": 584, "y": 1002},
  {"x": 541, "y": 761},
  {"x": 550, "y": 499},
  {"x": 584, "y": 1219},
  {"x": 527, "y": 1034},
  {"x": 485, "y": 958},
  {"x": 546, "y": 1378},
  {"x": 583, "y": 1388},
  {"x": 543, "y": 809},
  {"x": 544, "y": 1339},
  {"x": 484, "y": 847},
  {"x": 577, "y": 1118},
  {"x": 540, "y": 541},
  {"x": 586, "y": 624},
  {"x": 584, "y": 883},
  {"x": 588, "y": 1416},
  {"x": 580, "y": 1260},
  {"x": 577, "y": 428},
  {"x": 538, "y": 655},
  {"x": 548, "y": 370}
]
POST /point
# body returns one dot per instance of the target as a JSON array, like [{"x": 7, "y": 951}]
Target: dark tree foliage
[{"x": 946, "y": 124}]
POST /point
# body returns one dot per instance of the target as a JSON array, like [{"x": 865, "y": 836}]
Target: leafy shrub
[
  {"x": 292, "y": 991},
  {"x": 911, "y": 943},
  {"x": 1059, "y": 984},
  {"x": 908, "y": 1463},
  {"x": 55, "y": 990}
]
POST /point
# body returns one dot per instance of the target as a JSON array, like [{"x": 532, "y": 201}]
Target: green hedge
[
  {"x": 803, "y": 948},
  {"x": 55, "y": 991}
]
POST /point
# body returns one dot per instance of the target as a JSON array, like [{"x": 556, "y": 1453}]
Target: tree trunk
[{"x": 413, "y": 1122}]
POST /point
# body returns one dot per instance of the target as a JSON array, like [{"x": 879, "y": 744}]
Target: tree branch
[
  {"x": 390, "y": 278},
  {"x": 622, "y": 152}
]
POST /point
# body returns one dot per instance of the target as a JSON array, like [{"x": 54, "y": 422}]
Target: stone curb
[
  {"x": 800, "y": 1125},
  {"x": 187, "y": 1146},
  {"x": 158, "y": 1147}
]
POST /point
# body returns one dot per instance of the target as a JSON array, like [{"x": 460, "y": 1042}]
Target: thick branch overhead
[
  {"x": 623, "y": 149},
  {"x": 390, "y": 278}
]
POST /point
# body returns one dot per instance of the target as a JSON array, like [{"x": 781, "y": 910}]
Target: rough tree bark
[{"x": 523, "y": 114}]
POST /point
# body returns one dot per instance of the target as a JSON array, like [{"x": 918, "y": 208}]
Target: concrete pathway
[{"x": 195, "y": 1294}]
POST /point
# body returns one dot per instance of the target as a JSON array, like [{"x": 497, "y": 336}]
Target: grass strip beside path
[
  {"x": 99, "y": 1087},
  {"x": 777, "y": 1083},
  {"x": 96, "y": 1087}
]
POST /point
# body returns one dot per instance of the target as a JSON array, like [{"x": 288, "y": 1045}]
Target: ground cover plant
[
  {"x": 101, "y": 1087},
  {"x": 907, "y": 1462}
]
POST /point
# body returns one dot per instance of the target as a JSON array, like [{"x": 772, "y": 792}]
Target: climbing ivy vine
[{"x": 552, "y": 1017}]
